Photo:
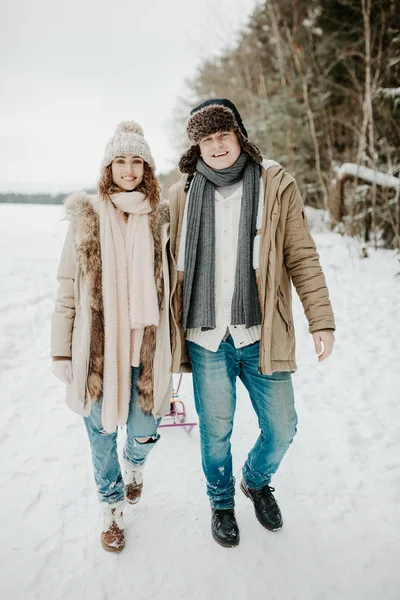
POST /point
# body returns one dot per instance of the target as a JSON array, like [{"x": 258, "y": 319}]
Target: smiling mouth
[
  {"x": 220, "y": 154},
  {"x": 129, "y": 179}
]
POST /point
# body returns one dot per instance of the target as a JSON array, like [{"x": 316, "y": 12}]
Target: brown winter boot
[
  {"x": 133, "y": 482},
  {"x": 133, "y": 492},
  {"x": 112, "y": 536}
]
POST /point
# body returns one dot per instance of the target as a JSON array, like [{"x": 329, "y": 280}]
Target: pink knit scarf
[{"x": 129, "y": 297}]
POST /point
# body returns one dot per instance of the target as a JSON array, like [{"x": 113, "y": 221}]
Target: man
[{"x": 239, "y": 237}]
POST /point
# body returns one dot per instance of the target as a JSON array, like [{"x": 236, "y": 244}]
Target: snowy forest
[{"x": 318, "y": 86}]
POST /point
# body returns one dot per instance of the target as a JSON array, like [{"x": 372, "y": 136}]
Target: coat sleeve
[
  {"x": 303, "y": 265},
  {"x": 62, "y": 319}
]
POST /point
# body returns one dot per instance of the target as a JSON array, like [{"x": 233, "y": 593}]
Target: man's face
[{"x": 220, "y": 150}]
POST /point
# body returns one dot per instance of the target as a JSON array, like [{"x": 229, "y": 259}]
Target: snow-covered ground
[{"x": 338, "y": 487}]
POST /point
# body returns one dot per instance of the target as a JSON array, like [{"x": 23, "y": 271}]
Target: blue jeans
[
  {"x": 107, "y": 470},
  {"x": 214, "y": 382}
]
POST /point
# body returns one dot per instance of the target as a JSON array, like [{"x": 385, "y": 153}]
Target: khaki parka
[{"x": 287, "y": 255}]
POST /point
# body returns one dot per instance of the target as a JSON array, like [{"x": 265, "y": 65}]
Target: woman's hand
[{"x": 62, "y": 368}]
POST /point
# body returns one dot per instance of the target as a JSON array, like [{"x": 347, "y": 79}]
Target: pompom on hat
[
  {"x": 211, "y": 116},
  {"x": 127, "y": 139}
]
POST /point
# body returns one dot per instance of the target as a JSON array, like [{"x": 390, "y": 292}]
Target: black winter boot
[
  {"x": 224, "y": 527},
  {"x": 265, "y": 506}
]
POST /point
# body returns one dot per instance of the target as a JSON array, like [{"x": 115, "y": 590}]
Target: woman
[{"x": 110, "y": 331}]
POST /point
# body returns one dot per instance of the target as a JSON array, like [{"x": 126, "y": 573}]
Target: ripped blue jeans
[
  {"x": 107, "y": 470},
  {"x": 214, "y": 383}
]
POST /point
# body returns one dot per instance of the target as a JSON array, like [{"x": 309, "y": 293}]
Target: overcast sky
[{"x": 71, "y": 71}]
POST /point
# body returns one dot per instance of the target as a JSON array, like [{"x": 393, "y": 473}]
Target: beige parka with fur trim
[{"x": 77, "y": 325}]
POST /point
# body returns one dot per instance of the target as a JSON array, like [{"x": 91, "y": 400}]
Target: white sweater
[{"x": 227, "y": 217}]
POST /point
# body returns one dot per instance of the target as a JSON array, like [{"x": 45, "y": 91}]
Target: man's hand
[{"x": 323, "y": 342}]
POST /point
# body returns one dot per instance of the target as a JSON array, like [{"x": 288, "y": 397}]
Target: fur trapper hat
[
  {"x": 127, "y": 139},
  {"x": 210, "y": 117}
]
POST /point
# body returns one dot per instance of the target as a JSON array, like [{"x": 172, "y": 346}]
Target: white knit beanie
[{"x": 127, "y": 139}]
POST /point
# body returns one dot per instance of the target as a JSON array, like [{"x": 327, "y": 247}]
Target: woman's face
[{"x": 127, "y": 171}]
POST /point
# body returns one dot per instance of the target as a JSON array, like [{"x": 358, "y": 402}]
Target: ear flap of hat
[
  {"x": 250, "y": 148},
  {"x": 188, "y": 160}
]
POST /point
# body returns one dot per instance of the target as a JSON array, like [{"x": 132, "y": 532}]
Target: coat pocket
[{"x": 284, "y": 311}]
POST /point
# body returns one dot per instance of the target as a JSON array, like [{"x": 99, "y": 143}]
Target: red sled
[{"x": 176, "y": 417}]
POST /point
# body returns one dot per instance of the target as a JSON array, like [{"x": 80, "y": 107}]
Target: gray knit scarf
[{"x": 199, "y": 284}]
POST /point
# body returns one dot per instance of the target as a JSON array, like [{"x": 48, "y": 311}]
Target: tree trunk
[
  {"x": 366, "y": 10},
  {"x": 295, "y": 54}
]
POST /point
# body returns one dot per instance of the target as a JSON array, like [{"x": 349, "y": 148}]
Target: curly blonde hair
[{"x": 149, "y": 185}]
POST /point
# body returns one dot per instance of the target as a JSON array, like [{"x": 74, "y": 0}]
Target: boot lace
[{"x": 267, "y": 494}]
